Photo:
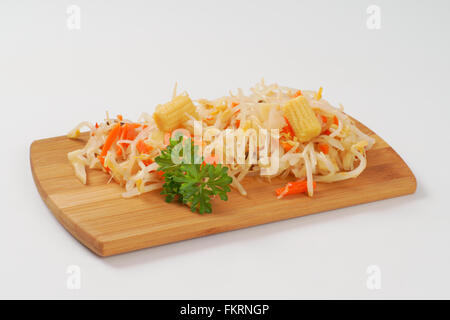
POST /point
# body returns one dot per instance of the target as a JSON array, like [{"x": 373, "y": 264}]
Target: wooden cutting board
[{"x": 108, "y": 224}]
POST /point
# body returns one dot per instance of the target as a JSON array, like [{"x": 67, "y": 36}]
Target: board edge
[{"x": 81, "y": 235}]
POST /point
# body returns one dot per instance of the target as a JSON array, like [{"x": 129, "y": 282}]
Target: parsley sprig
[{"x": 190, "y": 183}]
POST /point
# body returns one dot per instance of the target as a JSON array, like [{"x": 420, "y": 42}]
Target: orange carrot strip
[
  {"x": 234, "y": 104},
  {"x": 160, "y": 174},
  {"x": 286, "y": 146},
  {"x": 288, "y": 129},
  {"x": 128, "y": 133},
  {"x": 113, "y": 134},
  {"x": 294, "y": 188},
  {"x": 335, "y": 121},
  {"x": 142, "y": 147},
  {"x": 324, "y": 148},
  {"x": 122, "y": 136},
  {"x": 147, "y": 162},
  {"x": 131, "y": 131},
  {"x": 297, "y": 94}
]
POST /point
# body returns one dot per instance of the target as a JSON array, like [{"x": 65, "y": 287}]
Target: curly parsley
[{"x": 190, "y": 183}]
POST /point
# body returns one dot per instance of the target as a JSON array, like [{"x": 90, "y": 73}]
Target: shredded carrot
[
  {"x": 131, "y": 133},
  {"x": 160, "y": 173},
  {"x": 122, "y": 135},
  {"x": 286, "y": 146},
  {"x": 324, "y": 119},
  {"x": 294, "y": 188},
  {"x": 234, "y": 104},
  {"x": 147, "y": 162},
  {"x": 142, "y": 147},
  {"x": 128, "y": 133},
  {"x": 119, "y": 117},
  {"x": 297, "y": 94},
  {"x": 327, "y": 132},
  {"x": 113, "y": 134},
  {"x": 96, "y": 127},
  {"x": 335, "y": 121},
  {"x": 238, "y": 122},
  {"x": 325, "y": 148},
  {"x": 288, "y": 128}
]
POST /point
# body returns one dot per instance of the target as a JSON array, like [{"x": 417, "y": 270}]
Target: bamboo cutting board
[{"x": 108, "y": 224}]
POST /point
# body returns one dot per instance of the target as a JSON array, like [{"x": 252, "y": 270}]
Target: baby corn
[
  {"x": 302, "y": 119},
  {"x": 171, "y": 115}
]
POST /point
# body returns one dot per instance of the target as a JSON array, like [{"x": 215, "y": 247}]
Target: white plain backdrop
[{"x": 126, "y": 57}]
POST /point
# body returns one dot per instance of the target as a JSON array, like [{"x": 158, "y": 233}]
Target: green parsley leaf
[{"x": 192, "y": 184}]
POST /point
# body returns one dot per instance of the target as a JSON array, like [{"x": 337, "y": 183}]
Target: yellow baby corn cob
[
  {"x": 171, "y": 115},
  {"x": 302, "y": 119}
]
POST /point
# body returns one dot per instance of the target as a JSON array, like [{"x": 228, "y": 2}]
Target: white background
[{"x": 125, "y": 59}]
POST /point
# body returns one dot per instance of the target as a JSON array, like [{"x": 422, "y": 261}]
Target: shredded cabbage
[{"x": 260, "y": 110}]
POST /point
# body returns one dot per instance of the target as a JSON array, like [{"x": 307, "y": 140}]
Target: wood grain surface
[{"x": 108, "y": 224}]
